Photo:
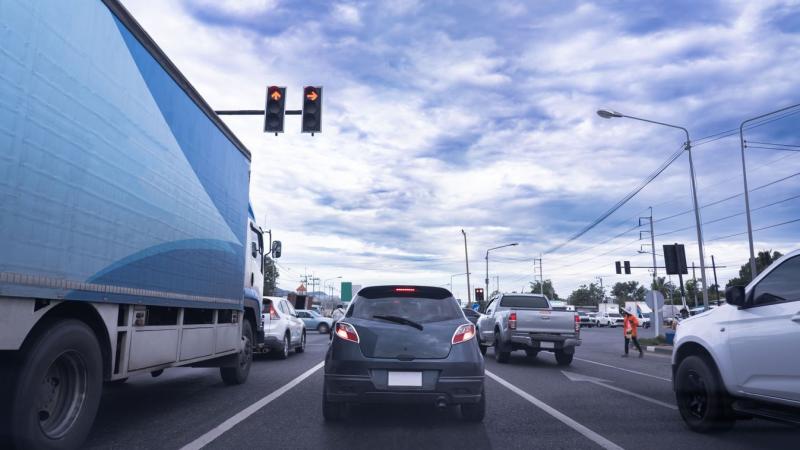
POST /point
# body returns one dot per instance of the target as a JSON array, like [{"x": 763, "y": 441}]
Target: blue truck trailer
[{"x": 127, "y": 244}]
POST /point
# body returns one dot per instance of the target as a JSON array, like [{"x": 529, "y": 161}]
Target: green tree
[
  {"x": 628, "y": 291},
  {"x": 549, "y": 290},
  {"x": 763, "y": 260},
  {"x": 590, "y": 295},
  {"x": 270, "y": 276}
]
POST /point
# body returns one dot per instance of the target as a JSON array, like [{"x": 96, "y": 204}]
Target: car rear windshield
[
  {"x": 524, "y": 301},
  {"x": 420, "y": 310}
]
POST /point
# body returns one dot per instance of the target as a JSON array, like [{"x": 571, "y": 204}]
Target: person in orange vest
[{"x": 629, "y": 327}]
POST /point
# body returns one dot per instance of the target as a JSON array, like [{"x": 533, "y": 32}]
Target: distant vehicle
[
  {"x": 318, "y": 309},
  {"x": 527, "y": 322},
  {"x": 611, "y": 319},
  {"x": 283, "y": 331},
  {"x": 471, "y": 315},
  {"x": 314, "y": 320},
  {"x": 404, "y": 344},
  {"x": 643, "y": 312},
  {"x": 740, "y": 359},
  {"x": 587, "y": 319}
]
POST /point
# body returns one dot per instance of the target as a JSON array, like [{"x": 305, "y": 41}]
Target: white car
[
  {"x": 741, "y": 359},
  {"x": 283, "y": 330},
  {"x": 608, "y": 320}
]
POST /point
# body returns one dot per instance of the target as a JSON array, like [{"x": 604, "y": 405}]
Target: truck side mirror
[
  {"x": 735, "y": 295},
  {"x": 276, "y": 249}
]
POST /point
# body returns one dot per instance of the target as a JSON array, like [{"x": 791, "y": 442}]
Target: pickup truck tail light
[
  {"x": 577, "y": 323},
  {"x": 273, "y": 315},
  {"x": 512, "y": 321},
  {"x": 463, "y": 333},
  {"x": 347, "y": 332}
]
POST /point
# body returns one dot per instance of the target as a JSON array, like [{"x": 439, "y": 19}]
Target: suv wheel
[
  {"x": 700, "y": 396},
  {"x": 286, "y": 346},
  {"x": 302, "y": 346}
]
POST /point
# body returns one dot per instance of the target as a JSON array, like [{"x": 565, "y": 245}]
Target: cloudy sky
[{"x": 480, "y": 115}]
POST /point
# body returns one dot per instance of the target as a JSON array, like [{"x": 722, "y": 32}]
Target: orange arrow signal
[
  {"x": 312, "y": 96},
  {"x": 276, "y": 95}
]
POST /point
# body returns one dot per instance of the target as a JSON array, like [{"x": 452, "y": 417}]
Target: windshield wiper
[{"x": 400, "y": 320}]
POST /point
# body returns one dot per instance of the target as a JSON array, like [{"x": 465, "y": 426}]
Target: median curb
[{"x": 663, "y": 349}]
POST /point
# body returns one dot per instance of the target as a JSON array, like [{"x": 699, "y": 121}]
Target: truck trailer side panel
[{"x": 115, "y": 185}]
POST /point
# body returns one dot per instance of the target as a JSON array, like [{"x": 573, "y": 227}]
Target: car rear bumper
[{"x": 374, "y": 388}]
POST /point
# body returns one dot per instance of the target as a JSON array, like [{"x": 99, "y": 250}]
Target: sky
[{"x": 442, "y": 116}]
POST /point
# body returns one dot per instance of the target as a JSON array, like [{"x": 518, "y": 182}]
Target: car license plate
[
  {"x": 546, "y": 345},
  {"x": 409, "y": 379}
]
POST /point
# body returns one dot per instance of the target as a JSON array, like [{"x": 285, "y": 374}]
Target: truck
[
  {"x": 739, "y": 360},
  {"x": 643, "y": 312},
  {"x": 528, "y": 322},
  {"x": 127, "y": 243}
]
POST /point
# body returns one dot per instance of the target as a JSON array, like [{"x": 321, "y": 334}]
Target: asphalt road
[{"x": 601, "y": 399}]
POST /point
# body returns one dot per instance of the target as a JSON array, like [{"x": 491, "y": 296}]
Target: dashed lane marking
[{"x": 622, "y": 369}]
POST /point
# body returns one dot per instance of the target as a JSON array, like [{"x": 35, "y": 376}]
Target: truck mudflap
[{"x": 552, "y": 342}]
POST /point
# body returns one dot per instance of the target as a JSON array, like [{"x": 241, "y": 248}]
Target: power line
[{"x": 755, "y": 229}]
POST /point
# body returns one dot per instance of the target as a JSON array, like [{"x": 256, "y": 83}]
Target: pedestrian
[
  {"x": 629, "y": 327},
  {"x": 337, "y": 315}
]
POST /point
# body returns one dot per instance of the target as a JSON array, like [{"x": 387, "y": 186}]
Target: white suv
[
  {"x": 741, "y": 359},
  {"x": 283, "y": 331}
]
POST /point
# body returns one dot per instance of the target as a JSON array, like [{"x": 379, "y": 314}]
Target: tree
[
  {"x": 590, "y": 295},
  {"x": 270, "y": 276},
  {"x": 671, "y": 293},
  {"x": 763, "y": 260},
  {"x": 549, "y": 291},
  {"x": 628, "y": 291}
]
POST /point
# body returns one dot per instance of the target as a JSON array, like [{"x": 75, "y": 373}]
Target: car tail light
[
  {"x": 273, "y": 315},
  {"x": 512, "y": 321},
  {"x": 577, "y": 322},
  {"x": 347, "y": 332},
  {"x": 463, "y": 333}
]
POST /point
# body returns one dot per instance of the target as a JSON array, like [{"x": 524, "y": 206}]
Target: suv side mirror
[
  {"x": 276, "y": 249},
  {"x": 735, "y": 295}
]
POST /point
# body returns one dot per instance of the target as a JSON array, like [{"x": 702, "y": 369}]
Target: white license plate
[
  {"x": 410, "y": 379},
  {"x": 546, "y": 345}
]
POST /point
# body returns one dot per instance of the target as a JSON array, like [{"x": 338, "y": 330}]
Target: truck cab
[{"x": 740, "y": 359}]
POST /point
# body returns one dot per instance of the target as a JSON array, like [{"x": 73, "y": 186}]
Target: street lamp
[
  {"x": 610, "y": 114},
  {"x": 325, "y": 283},
  {"x": 487, "y": 263},
  {"x": 451, "y": 279}
]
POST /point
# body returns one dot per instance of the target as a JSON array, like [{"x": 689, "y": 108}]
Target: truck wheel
[
  {"x": 564, "y": 359},
  {"x": 323, "y": 328},
  {"x": 700, "y": 396},
  {"x": 302, "y": 346},
  {"x": 58, "y": 388},
  {"x": 499, "y": 355},
  {"x": 238, "y": 374},
  {"x": 331, "y": 411},
  {"x": 531, "y": 353},
  {"x": 474, "y": 412}
]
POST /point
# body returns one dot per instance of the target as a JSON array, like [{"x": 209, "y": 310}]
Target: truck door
[{"x": 765, "y": 337}]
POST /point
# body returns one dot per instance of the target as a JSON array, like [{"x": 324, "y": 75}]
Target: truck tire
[
  {"x": 58, "y": 387},
  {"x": 531, "y": 353},
  {"x": 700, "y": 396},
  {"x": 499, "y": 355},
  {"x": 474, "y": 412},
  {"x": 238, "y": 374},
  {"x": 564, "y": 359}
]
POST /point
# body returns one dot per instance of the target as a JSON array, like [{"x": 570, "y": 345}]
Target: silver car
[{"x": 283, "y": 330}]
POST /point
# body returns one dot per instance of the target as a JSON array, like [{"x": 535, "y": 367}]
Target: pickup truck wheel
[
  {"x": 238, "y": 373},
  {"x": 58, "y": 388},
  {"x": 323, "y": 328},
  {"x": 531, "y": 353},
  {"x": 700, "y": 396},
  {"x": 474, "y": 412},
  {"x": 564, "y": 359},
  {"x": 500, "y": 356}
]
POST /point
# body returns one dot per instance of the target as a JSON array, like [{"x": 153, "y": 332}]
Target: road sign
[
  {"x": 675, "y": 259},
  {"x": 654, "y": 299},
  {"x": 476, "y": 307}
]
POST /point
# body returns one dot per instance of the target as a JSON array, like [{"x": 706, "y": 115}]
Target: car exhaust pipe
[{"x": 441, "y": 403}]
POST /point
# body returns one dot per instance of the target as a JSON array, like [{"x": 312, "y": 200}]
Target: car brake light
[
  {"x": 577, "y": 322},
  {"x": 512, "y": 321},
  {"x": 273, "y": 315},
  {"x": 405, "y": 289},
  {"x": 463, "y": 333},
  {"x": 347, "y": 332}
]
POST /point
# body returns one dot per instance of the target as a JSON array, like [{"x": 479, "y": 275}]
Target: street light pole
[
  {"x": 607, "y": 114},
  {"x": 753, "y": 268},
  {"x": 451, "y": 279},
  {"x": 466, "y": 260},
  {"x": 487, "y": 264}
]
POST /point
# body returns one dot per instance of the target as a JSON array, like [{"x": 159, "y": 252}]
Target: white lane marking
[
  {"x": 586, "y": 432},
  {"x": 220, "y": 429},
  {"x": 601, "y": 382},
  {"x": 624, "y": 370}
]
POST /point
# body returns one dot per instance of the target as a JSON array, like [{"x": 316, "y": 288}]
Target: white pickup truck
[
  {"x": 741, "y": 359},
  {"x": 528, "y": 322}
]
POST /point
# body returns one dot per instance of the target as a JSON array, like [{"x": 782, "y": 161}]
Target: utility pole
[
  {"x": 694, "y": 278},
  {"x": 466, "y": 260},
  {"x": 602, "y": 289},
  {"x": 716, "y": 283},
  {"x": 655, "y": 268}
]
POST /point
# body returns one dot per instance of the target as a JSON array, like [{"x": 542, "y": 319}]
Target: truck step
[{"x": 776, "y": 413}]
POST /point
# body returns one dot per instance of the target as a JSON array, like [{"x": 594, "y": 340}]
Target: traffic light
[
  {"x": 619, "y": 267},
  {"x": 628, "y": 267},
  {"x": 479, "y": 295},
  {"x": 276, "y": 107},
  {"x": 312, "y": 109}
]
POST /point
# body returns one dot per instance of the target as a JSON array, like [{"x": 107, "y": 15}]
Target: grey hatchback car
[{"x": 399, "y": 344}]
